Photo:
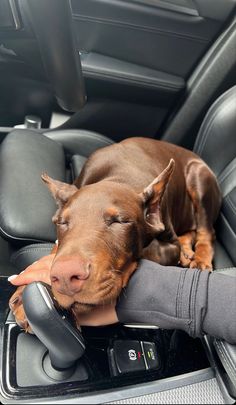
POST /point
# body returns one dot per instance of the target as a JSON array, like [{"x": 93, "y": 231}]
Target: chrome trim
[
  {"x": 46, "y": 296},
  {"x": 140, "y": 326},
  {"x": 144, "y": 355}
]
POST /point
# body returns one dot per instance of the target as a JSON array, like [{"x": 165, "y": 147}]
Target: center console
[{"x": 114, "y": 358}]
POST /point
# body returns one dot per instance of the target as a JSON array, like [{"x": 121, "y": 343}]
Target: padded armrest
[
  {"x": 26, "y": 205},
  {"x": 27, "y": 255},
  {"x": 79, "y": 142}
]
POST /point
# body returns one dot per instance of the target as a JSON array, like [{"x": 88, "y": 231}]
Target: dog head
[{"x": 102, "y": 229}]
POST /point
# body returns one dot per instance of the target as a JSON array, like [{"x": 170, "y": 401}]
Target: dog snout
[{"x": 68, "y": 274}]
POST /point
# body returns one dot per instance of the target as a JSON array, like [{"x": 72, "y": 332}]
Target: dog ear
[
  {"x": 152, "y": 197},
  {"x": 60, "y": 191}
]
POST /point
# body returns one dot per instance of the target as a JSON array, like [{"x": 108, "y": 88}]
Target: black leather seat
[
  {"x": 216, "y": 144},
  {"x": 26, "y": 206}
]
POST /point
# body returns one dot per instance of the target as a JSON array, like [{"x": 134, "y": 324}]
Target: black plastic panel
[
  {"x": 120, "y": 39},
  {"x": 217, "y": 9},
  {"x": 168, "y": 41},
  {"x": 177, "y": 353},
  {"x": 35, "y": 364},
  {"x": 178, "y": 6},
  {"x": 117, "y": 71}
]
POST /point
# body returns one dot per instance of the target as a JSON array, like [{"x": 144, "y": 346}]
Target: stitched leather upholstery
[
  {"x": 216, "y": 144},
  {"x": 24, "y": 155},
  {"x": 28, "y": 254},
  {"x": 26, "y": 206}
]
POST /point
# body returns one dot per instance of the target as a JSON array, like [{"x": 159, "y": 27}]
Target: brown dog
[{"x": 140, "y": 198}]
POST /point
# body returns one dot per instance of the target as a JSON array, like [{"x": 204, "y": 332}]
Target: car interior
[{"x": 75, "y": 76}]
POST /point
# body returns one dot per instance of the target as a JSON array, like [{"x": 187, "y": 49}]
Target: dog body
[
  {"x": 140, "y": 198},
  {"x": 136, "y": 162}
]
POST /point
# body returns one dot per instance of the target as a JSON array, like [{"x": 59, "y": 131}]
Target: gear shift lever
[{"x": 51, "y": 325}]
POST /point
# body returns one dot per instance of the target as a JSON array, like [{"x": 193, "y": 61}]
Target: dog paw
[
  {"x": 185, "y": 259},
  {"x": 200, "y": 264},
  {"x": 17, "y": 309}
]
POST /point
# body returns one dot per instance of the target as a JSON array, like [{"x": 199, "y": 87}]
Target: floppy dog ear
[
  {"x": 60, "y": 191},
  {"x": 152, "y": 197}
]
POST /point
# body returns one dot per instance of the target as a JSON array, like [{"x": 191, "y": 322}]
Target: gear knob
[{"x": 52, "y": 326}]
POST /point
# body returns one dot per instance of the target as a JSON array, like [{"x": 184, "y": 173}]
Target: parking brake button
[{"x": 128, "y": 356}]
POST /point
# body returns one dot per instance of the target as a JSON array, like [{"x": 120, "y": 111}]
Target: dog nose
[{"x": 68, "y": 274}]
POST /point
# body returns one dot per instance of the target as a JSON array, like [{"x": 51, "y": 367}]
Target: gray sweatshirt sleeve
[{"x": 198, "y": 302}]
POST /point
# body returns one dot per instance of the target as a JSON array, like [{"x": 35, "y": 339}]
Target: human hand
[{"x": 38, "y": 271}]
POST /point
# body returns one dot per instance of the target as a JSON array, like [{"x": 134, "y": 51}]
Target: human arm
[{"x": 198, "y": 302}]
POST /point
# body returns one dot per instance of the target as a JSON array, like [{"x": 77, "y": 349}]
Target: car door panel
[
  {"x": 141, "y": 53},
  {"x": 125, "y": 99},
  {"x": 116, "y": 71},
  {"x": 138, "y": 57},
  {"x": 138, "y": 33}
]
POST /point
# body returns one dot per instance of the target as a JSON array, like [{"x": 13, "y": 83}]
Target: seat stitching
[
  {"x": 229, "y": 200},
  {"x": 218, "y": 109},
  {"x": 18, "y": 238},
  {"x": 24, "y": 251},
  {"x": 96, "y": 136},
  {"x": 225, "y": 174},
  {"x": 229, "y": 225},
  {"x": 206, "y": 132},
  {"x": 89, "y": 135},
  {"x": 217, "y": 106}
]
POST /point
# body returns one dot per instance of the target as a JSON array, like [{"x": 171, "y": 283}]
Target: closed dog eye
[
  {"x": 117, "y": 220},
  {"x": 61, "y": 222}
]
